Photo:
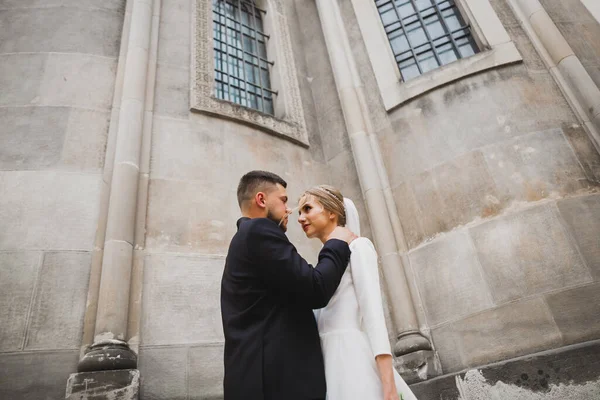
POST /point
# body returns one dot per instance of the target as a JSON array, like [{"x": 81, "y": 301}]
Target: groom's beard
[{"x": 281, "y": 224}]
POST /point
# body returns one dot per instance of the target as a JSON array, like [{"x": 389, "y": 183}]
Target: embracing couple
[{"x": 276, "y": 347}]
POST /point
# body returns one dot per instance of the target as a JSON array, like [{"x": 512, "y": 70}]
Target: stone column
[
  {"x": 109, "y": 350},
  {"x": 566, "y": 68},
  {"x": 373, "y": 179}
]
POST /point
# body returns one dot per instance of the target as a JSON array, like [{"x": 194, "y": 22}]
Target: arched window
[
  {"x": 240, "y": 53},
  {"x": 425, "y": 34}
]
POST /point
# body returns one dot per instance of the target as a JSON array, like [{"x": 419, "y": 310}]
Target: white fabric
[
  {"x": 352, "y": 326},
  {"x": 352, "y": 219}
]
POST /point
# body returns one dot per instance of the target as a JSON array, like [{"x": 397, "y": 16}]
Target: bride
[{"x": 354, "y": 337}]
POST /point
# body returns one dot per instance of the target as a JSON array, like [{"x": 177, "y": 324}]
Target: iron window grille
[
  {"x": 240, "y": 54},
  {"x": 425, "y": 34}
]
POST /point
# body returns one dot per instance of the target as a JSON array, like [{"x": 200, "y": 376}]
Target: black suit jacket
[{"x": 268, "y": 292}]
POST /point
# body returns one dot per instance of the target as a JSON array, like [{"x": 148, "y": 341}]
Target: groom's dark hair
[{"x": 254, "y": 182}]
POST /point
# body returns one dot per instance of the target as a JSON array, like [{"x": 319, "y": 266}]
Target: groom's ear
[{"x": 261, "y": 199}]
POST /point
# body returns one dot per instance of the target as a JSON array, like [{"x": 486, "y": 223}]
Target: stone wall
[
  {"x": 58, "y": 61},
  {"x": 493, "y": 178}
]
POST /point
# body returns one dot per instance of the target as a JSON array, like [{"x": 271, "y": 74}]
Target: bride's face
[{"x": 314, "y": 218}]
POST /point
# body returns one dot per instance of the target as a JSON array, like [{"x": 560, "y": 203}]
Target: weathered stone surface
[
  {"x": 36, "y": 376},
  {"x": 48, "y": 210},
  {"x": 52, "y": 137},
  {"x": 31, "y": 137},
  {"x": 493, "y": 107},
  {"x": 449, "y": 278},
  {"x": 78, "y": 80},
  {"x": 566, "y": 373},
  {"x": 577, "y": 313},
  {"x": 61, "y": 29},
  {"x": 535, "y": 166},
  {"x": 466, "y": 191},
  {"x": 59, "y": 302},
  {"x": 201, "y": 218},
  {"x": 18, "y": 276},
  {"x": 121, "y": 384},
  {"x": 409, "y": 214},
  {"x": 174, "y": 33},
  {"x": 164, "y": 373},
  {"x": 185, "y": 291},
  {"x": 205, "y": 368},
  {"x": 116, "y": 5},
  {"x": 334, "y": 137},
  {"x": 188, "y": 149},
  {"x": 20, "y": 78},
  {"x": 172, "y": 91},
  {"x": 528, "y": 253},
  {"x": 512, "y": 330},
  {"x": 584, "y": 150},
  {"x": 582, "y": 215}
]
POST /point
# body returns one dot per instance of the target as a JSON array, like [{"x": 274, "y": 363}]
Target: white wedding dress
[{"x": 352, "y": 327}]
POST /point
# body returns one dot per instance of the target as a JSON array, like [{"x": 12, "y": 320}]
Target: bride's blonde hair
[{"x": 331, "y": 199}]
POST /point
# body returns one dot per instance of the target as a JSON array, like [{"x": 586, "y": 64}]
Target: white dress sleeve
[{"x": 365, "y": 275}]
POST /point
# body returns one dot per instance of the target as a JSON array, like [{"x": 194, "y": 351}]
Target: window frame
[
  {"x": 495, "y": 49},
  {"x": 288, "y": 120}
]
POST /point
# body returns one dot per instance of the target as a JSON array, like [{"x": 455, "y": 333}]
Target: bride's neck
[{"x": 324, "y": 234}]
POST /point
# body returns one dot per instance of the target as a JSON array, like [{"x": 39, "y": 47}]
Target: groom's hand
[{"x": 342, "y": 233}]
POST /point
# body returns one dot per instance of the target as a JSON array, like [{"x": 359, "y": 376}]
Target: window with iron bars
[
  {"x": 425, "y": 34},
  {"x": 240, "y": 53}
]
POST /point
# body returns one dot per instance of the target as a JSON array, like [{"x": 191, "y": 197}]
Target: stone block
[
  {"x": 78, "y": 80},
  {"x": 20, "y": 78},
  {"x": 584, "y": 149},
  {"x": 582, "y": 216},
  {"x": 123, "y": 384},
  {"x": 48, "y": 210},
  {"x": 577, "y": 313},
  {"x": 187, "y": 149},
  {"x": 18, "y": 276},
  {"x": 61, "y": 29},
  {"x": 59, "y": 302},
  {"x": 334, "y": 137},
  {"x": 86, "y": 139},
  {"x": 52, "y": 137},
  {"x": 449, "y": 278},
  {"x": 32, "y": 137},
  {"x": 467, "y": 190},
  {"x": 172, "y": 91},
  {"x": 512, "y": 330},
  {"x": 535, "y": 166},
  {"x": 201, "y": 218},
  {"x": 528, "y": 253},
  {"x": 429, "y": 204},
  {"x": 181, "y": 299},
  {"x": 174, "y": 33},
  {"x": 206, "y": 373},
  {"x": 36, "y": 376},
  {"x": 164, "y": 373},
  {"x": 115, "y": 5}
]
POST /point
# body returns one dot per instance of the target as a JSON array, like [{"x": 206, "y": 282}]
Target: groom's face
[{"x": 277, "y": 210}]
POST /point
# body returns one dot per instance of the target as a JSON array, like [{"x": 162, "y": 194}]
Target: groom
[{"x": 268, "y": 292}]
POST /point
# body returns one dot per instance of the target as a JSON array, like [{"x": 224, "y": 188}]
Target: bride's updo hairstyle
[{"x": 331, "y": 199}]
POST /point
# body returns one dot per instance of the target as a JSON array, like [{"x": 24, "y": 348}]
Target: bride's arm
[{"x": 365, "y": 275}]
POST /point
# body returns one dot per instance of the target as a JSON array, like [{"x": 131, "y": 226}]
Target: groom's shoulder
[{"x": 252, "y": 226}]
